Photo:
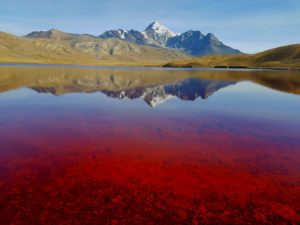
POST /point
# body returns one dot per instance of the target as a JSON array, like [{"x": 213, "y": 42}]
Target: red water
[{"x": 80, "y": 168}]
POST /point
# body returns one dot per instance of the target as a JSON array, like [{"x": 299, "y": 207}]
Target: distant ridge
[
  {"x": 193, "y": 43},
  {"x": 57, "y": 35},
  {"x": 58, "y": 47},
  {"x": 155, "y": 46}
]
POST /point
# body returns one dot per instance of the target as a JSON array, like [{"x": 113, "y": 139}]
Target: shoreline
[
  {"x": 237, "y": 67},
  {"x": 142, "y": 66}
]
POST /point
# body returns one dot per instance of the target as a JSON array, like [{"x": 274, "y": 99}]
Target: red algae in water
[{"x": 146, "y": 171}]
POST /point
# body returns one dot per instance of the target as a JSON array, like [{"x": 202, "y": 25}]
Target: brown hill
[
  {"x": 286, "y": 57},
  {"x": 58, "y": 35},
  {"x": 56, "y": 47}
]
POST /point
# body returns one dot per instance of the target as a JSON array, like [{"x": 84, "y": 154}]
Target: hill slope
[
  {"x": 286, "y": 56},
  {"x": 58, "y": 47}
]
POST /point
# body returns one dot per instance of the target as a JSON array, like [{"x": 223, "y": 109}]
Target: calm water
[{"x": 113, "y": 146}]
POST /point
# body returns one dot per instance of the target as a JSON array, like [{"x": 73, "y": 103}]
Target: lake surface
[{"x": 148, "y": 146}]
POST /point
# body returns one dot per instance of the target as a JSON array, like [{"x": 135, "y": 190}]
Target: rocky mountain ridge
[{"x": 193, "y": 43}]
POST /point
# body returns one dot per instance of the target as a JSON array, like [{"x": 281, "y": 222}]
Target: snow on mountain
[
  {"x": 126, "y": 35},
  {"x": 122, "y": 33},
  {"x": 160, "y": 29},
  {"x": 158, "y": 34},
  {"x": 156, "y": 95}
]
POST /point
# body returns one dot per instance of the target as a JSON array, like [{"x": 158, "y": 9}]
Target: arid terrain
[
  {"x": 63, "y": 48},
  {"x": 285, "y": 57}
]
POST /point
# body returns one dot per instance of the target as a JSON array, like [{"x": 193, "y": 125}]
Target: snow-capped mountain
[
  {"x": 155, "y": 34},
  {"x": 158, "y": 34},
  {"x": 193, "y": 43}
]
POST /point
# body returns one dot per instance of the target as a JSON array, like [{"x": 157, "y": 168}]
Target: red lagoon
[{"x": 91, "y": 168}]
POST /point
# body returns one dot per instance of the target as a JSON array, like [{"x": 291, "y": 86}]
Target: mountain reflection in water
[{"x": 154, "y": 87}]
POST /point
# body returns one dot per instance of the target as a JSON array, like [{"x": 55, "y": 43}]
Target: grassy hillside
[
  {"x": 63, "y": 48},
  {"x": 286, "y": 57}
]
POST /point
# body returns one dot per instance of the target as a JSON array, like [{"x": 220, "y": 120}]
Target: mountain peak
[
  {"x": 158, "y": 34},
  {"x": 154, "y": 25},
  {"x": 160, "y": 29},
  {"x": 54, "y": 31},
  {"x": 212, "y": 36}
]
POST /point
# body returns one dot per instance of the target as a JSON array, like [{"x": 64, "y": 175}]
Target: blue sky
[{"x": 249, "y": 25}]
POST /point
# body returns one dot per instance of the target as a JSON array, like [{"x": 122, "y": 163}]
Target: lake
[{"x": 92, "y": 145}]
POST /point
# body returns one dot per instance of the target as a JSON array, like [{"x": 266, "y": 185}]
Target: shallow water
[{"x": 113, "y": 146}]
